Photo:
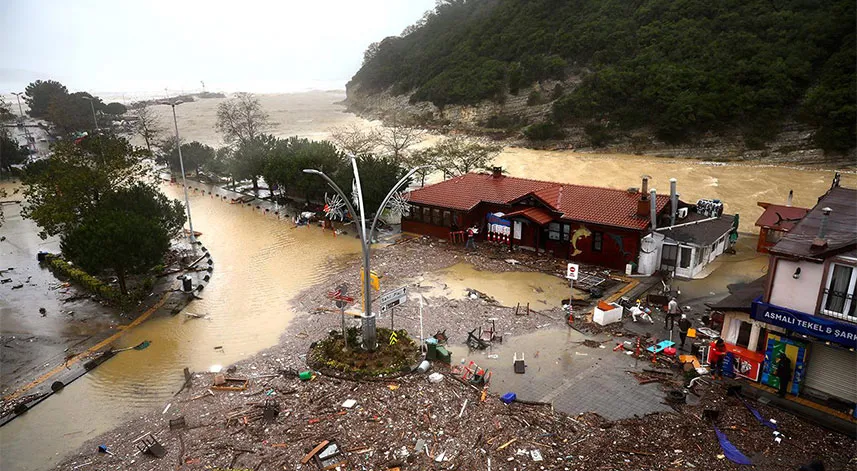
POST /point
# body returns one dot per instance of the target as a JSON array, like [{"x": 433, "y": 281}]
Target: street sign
[
  {"x": 393, "y": 298},
  {"x": 572, "y": 271}
]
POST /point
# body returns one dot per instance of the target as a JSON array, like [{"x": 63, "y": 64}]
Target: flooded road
[
  {"x": 739, "y": 186},
  {"x": 259, "y": 264}
]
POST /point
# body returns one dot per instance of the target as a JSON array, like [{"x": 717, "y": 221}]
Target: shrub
[{"x": 543, "y": 131}]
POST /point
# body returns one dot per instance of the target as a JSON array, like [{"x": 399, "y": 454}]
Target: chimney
[
  {"x": 654, "y": 208},
  {"x": 643, "y": 202},
  {"x": 496, "y": 172},
  {"x": 673, "y": 201},
  {"x": 789, "y": 200},
  {"x": 820, "y": 241}
]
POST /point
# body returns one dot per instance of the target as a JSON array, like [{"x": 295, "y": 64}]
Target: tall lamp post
[
  {"x": 92, "y": 106},
  {"x": 370, "y": 340},
  {"x": 181, "y": 164}
]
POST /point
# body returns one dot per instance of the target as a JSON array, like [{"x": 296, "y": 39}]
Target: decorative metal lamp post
[{"x": 370, "y": 340}]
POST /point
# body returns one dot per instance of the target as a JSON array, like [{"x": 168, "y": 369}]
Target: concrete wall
[{"x": 798, "y": 294}]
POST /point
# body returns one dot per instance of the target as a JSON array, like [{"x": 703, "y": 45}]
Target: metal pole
[
  {"x": 421, "y": 322},
  {"x": 31, "y": 144},
  {"x": 184, "y": 181},
  {"x": 344, "y": 333},
  {"x": 571, "y": 300},
  {"x": 94, "y": 119}
]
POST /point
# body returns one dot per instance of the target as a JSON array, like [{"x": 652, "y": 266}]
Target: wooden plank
[{"x": 313, "y": 452}]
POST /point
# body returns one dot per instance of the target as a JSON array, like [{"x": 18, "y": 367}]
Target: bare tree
[
  {"x": 242, "y": 119},
  {"x": 397, "y": 136},
  {"x": 457, "y": 155},
  {"x": 147, "y": 126},
  {"x": 354, "y": 139}
]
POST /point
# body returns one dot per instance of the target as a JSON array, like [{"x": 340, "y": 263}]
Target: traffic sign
[
  {"x": 572, "y": 271},
  {"x": 393, "y": 298}
]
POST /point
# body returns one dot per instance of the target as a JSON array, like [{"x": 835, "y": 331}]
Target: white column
[{"x": 754, "y": 337}]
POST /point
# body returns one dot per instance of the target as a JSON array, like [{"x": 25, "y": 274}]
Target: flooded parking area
[{"x": 259, "y": 264}]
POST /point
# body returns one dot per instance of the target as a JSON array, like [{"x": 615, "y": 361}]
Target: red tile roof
[
  {"x": 538, "y": 215},
  {"x": 779, "y": 217},
  {"x": 468, "y": 190},
  {"x": 596, "y": 205}
]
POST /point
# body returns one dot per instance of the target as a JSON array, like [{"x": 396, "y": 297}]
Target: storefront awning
[
  {"x": 823, "y": 328},
  {"x": 537, "y": 215}
]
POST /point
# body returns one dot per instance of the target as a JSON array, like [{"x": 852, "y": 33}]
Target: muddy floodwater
[
  {"x": 540, "y": 290},
  {"x": 259, "y": 264}
]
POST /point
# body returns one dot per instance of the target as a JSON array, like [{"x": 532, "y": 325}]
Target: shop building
[
  {"x": 808, "y": 305},
  {"x": 592, "y": 225}
]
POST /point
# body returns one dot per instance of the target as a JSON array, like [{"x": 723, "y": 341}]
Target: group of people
[{"x": 717, "y": 348}]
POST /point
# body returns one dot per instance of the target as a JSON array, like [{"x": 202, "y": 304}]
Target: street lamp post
[
  {"x": 94, "y": 118},
  {"x": 370, "y": 340},
  {"x": 181, "y": 164}
]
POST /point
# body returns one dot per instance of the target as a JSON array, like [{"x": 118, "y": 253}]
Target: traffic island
[{"x": 396, "y": 354}]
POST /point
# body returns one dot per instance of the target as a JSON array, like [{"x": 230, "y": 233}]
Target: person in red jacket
[{"x": 717, "y": 354}]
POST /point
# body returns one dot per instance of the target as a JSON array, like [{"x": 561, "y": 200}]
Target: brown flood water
[{"x": 259, "y": 264}]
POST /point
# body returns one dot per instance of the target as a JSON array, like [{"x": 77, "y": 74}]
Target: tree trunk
[
  {"x": 120, "y": 275},
  {"x": 256, "y": 186}
]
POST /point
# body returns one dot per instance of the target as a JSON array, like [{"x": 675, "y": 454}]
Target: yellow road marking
[{"x": 79, "y": 357}]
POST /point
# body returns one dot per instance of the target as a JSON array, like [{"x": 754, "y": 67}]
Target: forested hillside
[{"x": 681, "y": 67}]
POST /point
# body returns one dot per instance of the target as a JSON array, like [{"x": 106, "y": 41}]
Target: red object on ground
[{"x": 670, "y": 351}]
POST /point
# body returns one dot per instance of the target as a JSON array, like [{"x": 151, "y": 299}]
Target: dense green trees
[
  {"x": 128, "y": 232},
  {"x": 99, "y": 196},
  {"x": 11, "y": 153},
  {"x": 681, "y": 67},
  {"x": 40, "y": 94}
]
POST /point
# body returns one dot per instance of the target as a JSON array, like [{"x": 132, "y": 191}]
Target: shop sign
[{"x": 822, "y": 328}]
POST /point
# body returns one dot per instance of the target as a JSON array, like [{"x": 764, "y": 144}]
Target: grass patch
[{"x": 386, "y": 360}]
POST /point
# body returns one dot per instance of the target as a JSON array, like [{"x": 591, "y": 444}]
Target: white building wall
[{"x": 799, "y": 294}]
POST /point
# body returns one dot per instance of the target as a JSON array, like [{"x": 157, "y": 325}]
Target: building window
[
  {"x": 838, "y": 298},
  {"x": 597, "y": 241},
  {"x": 566, "y": 232},
  {"x": 684, "y": 261},
  {"x": 553, "y": 231},
  {"x": 413, "y": 213},
  {"x": 698, "y": 257},
  {"x": 669, "y": 255},
  {"x": 426, "y": 215},
  {"x": 447, "y": 218},
  {"x": 436, "y": 218},
  {"x": 744, "y": 334},
  {"x": 772, "y": 237}
]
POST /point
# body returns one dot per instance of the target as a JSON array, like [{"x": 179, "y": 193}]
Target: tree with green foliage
[
  {"x": 128, "y": 232},
  {"x": 377, "y": 176},
  {"x": 40, "y": 94},
  {"x": 289, "y": 158},
  {"x": 680, "y": 68},
  {"x": 74, "y": 112},
  {"x": 64, "y": 188},
  {"x": 115, "y": 109},
  {"x": 195, "y": 155},
  {"x": 250, "y": 157},
  {"x": 6, "y": 113}
]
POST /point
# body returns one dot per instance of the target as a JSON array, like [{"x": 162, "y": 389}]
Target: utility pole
[{"x": 192, "y": 236}]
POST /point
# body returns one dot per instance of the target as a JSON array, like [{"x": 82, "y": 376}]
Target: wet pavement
[{"x": 563, "y": 371}]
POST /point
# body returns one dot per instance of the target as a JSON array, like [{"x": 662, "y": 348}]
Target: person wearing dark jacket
[
  {"x": 683, "y": 326},
  {"x": 783, "y": 373}
]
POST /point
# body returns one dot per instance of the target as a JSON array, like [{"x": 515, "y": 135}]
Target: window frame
[
  {"x": 597, "y": 241},
  {"x": 849, "y": 304},
  {"x": 682, "y": 263}
]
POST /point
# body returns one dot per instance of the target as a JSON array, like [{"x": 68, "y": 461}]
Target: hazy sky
[{"x": 146, "y": 46}]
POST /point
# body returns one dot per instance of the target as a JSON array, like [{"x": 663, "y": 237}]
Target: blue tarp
[{"x": 729, "y": 449}]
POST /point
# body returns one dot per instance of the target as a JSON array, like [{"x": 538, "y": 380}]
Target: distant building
[
  {"x": 593, "y": 225},
  {"x": 808, "y": 306},
  {"x": 777, "y": 221}
]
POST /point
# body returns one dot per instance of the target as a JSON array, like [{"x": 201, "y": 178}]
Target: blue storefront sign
[{"x": 823, "y": 328}]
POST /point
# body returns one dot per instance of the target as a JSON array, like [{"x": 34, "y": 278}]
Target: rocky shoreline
[{"x": 792, "y": 143}]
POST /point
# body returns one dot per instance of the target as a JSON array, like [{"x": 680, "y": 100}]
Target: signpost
[
  {"x": 391, "y": 299},
  {"x": 341, "y": 300},
  {"x": 571, "y": 273}
]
